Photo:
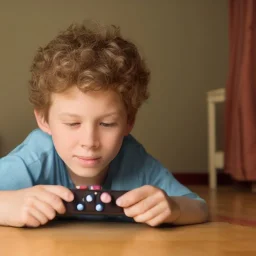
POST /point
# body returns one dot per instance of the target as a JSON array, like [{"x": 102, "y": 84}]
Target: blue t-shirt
[{"x": 35, "y": 161}]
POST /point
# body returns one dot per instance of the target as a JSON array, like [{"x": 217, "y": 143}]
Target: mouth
[
  {"x": 88, "y": 161},
  {"x": 88, "y": 158}
]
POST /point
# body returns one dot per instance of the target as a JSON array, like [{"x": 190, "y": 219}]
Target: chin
[{"x": 88, "y": 173}]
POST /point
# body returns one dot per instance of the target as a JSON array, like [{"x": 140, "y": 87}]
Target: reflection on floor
[{"x": 229, "y": 204}]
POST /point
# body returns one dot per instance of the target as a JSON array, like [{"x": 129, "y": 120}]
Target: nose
[{"x": 89, "y": 138}]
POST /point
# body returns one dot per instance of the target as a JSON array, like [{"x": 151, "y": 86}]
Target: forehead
[{"x": 83, "y": 102}]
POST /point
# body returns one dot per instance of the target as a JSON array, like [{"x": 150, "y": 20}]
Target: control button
[
  {"x": 89, "y": 198},
  {"x": 105, "y": 198},
  {"x": 80, "y": 207},
  {"x": 82, "y": 187},
  {"x": 95, "y": 187},
  {"x": 99, "y": 207}
]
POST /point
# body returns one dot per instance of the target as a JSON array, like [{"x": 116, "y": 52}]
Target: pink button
[
  {"x": 105, "y": 198},
  {"x": 95, "y": 187}
]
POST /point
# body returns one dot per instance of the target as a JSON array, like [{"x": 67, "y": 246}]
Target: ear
[
  {"x": 129, "y": 128},
  {"x": 41, "y": 122}
]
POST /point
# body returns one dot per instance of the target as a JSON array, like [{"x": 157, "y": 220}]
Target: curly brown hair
[{"x": 95, "y": 58}]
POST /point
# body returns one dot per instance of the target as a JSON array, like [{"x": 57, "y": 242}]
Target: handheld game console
[{"x": 87, "y": 202}]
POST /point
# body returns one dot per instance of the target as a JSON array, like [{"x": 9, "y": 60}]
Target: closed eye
[
  {"x": 108, "y": 124},
  {"x": 72, "y": 124}
]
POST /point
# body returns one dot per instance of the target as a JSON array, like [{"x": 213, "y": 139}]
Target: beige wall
[{"x": 186, "y": 45}]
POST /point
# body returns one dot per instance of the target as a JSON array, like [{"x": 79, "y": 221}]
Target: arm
[
  {"x": 151, "y": 205},
  {"x": 187, "y": 207},
  {"x": 187, "y": 211},
  {"x": 5, "y": 204}
]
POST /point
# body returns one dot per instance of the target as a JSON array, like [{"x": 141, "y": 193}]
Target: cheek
[
  {"x": 63, "y": 141},
  {"x": 113, "y": 141}
]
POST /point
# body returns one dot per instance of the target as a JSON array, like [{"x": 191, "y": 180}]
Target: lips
[
  {"x": 88, "y": 161},
  {"x": 88, "y": 158}
]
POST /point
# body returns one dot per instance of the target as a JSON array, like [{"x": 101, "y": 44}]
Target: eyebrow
[
  {"x": 68, "y": 114},
  {"x": 64, "y": 114}
]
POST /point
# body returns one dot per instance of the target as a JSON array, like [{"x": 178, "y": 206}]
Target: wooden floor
[
  {"x": 231, "y": 232},
  {"x": 230, "y": 204}
]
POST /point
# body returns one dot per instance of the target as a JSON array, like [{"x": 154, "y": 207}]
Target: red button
[
  {"x": 82, "y": 187},
  {"x": 95, "y": 187}
]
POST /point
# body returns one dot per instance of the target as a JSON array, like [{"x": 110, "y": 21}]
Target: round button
[
  {"x": 105, "y": 198},
  {"x": 89, "y": 198},
  {"x": 80, "y": 207},
  {"x": 99, "y": 207}
]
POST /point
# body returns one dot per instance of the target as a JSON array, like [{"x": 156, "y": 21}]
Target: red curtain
[{"x": 240, "y": 107}]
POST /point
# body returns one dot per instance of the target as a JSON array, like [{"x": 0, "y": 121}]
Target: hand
[
  {"x": 149, "y": 205},
  {"x": 35, "y": 206}
]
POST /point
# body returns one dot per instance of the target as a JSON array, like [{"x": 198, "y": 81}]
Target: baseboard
[{"x": 197, "y": 178}]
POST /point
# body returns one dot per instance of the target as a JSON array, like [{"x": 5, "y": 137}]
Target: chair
[{"x": 215, "y": 158}]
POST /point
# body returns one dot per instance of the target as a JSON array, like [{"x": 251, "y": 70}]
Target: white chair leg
[{"x": 211, "y": 145}]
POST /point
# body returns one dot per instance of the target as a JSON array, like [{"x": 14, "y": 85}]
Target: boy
[{"x": 86, "y": 88}]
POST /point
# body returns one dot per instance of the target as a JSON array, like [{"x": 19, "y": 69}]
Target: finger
[
  {"x": 141, "y": 207},
  {"x": 134, "y": 196},
  {"x": 53, "y": 200},
  {"x": 38, "y": 215},
  {"x": 31, "y": 221},
  {"x": 159, "y": 219},
  {"x": 60, "y": 191},
  {"x": 105, "y": 197},
  {"x": 45, "y": 208},
  {"x": 152, "y": 213}
]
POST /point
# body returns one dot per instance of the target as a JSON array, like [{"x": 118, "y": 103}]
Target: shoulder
[
  {"x": 132, "y": 158},
  {"x": 132, "y": 150},
  {"x": 130, "y": 142},
  {"x": 135, "y": 151},
  {"x": 36, "y": 146},
  {"x": 39, "y": 140},
  {"x": 140, "y": 168},
  {"x": 136, "y": 167},
  {"x": 22, "y": 167}
]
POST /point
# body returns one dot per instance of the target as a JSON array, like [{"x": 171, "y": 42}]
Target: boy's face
[{"x": 87, "y": 130}]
